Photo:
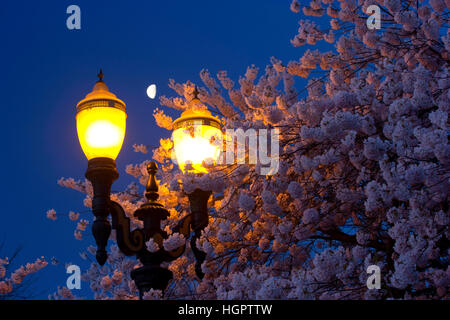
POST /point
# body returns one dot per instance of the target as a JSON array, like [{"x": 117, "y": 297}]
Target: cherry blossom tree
[
  {"x": 363, "y": 177},
  {"x": 15, "y": 282}
]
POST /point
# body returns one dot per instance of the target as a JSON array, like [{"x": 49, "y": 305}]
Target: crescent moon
[{"x": 151, "y": 91}]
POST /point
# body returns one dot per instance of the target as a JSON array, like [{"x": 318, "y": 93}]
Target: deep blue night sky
[{"x": 46, "y": 69}]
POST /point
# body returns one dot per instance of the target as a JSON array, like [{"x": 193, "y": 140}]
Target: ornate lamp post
[{"x": 101, "y": 120}]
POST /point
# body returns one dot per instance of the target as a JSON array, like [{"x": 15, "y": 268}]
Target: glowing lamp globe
[
  {"x": 197, "y": 140},
  {"x": 101, "y": 121}
]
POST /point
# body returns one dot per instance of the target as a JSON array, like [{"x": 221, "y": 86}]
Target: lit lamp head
[
  {"x": 101, "y": 120},
  {"x": 197, "y": 137}
]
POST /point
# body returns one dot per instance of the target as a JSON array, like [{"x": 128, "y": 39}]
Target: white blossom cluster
[{"x": 8, "y": 282}]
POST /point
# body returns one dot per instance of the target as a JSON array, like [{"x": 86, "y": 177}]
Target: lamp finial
[
  {"x": 151, "y": 191},
  {"x": 195, "y": 93},
  {"x": 100, "y": 76}
]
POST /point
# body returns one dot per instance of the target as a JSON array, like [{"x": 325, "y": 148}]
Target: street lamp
[
  {"x": 101, "y": 121},
  {"x": 101, "y": 129},
  {"x": 197, "y": 137},
  {"x": 197, "y": 143}
]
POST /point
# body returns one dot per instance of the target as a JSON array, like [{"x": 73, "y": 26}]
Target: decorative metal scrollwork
[{"x": 129, "y": 242}]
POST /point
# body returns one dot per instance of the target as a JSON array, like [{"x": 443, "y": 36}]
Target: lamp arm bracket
[
  {"x": 129, "y": 242},
  {"x": 184, "y": 228}
]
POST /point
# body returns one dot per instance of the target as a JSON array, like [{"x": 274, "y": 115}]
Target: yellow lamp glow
[
  {"x": 101, "y": 122},
  {"x": 197, "y": 138}
]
